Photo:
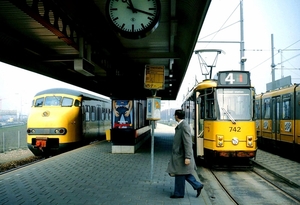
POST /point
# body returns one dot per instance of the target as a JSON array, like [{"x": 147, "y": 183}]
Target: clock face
[{"x": 133, "y": 18}]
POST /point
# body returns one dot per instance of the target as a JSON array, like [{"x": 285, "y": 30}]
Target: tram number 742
[{"x": 234, "y": 129}]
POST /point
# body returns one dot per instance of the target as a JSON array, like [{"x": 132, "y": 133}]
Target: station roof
[{"x": 49, "y": 37}]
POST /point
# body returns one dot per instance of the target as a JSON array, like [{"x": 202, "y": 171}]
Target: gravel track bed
[{"x": 15, "y": 158}]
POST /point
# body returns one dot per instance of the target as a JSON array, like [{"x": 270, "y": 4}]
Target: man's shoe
[
  {"x": 199, "y": 190},
  {"x": 175, "y": 197}
]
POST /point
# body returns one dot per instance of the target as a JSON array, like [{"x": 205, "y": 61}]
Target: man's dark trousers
[{"x": 180, "y": 183}]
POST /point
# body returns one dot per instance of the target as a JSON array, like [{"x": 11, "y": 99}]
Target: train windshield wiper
[{"x": 229, "y": 115}]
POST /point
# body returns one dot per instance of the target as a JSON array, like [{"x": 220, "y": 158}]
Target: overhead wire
[
  {"x": 275, "y": 55},
  {"x": 221, "y": 28}
]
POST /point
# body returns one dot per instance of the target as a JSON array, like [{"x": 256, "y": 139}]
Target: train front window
[
  {"x": 39, "y": 102},
  {"x": 234, "y": 104},
  {"x": 67, "y": 102},
  {"x": 53, "y": 101}
]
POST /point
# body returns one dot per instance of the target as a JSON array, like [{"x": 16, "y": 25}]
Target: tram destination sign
[
  {"x": 234, "y": 78},
  {"x": 154, "y": 77}
]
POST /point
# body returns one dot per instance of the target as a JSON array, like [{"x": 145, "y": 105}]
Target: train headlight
[
  {"x": 249, "y": 141},
  {"x": 220, "y": 141},
  {"x": 30, "y": 131},
  {"x": 235, "y": 141},
  {"x": 60, "y": 131}
]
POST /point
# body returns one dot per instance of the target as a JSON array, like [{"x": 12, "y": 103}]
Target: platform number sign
[{"x": 234, "y": 78}]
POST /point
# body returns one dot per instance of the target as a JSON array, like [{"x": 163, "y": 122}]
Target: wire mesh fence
[{"x": 13, "y": 138}]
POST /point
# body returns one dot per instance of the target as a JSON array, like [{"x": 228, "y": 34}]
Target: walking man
[{"x": 182, "y": 163}]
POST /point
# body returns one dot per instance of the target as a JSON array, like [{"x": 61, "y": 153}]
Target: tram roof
[{"x": 281, "y": 91}]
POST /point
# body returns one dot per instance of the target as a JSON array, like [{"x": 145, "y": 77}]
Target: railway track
[{"x": 256, "y": 186}]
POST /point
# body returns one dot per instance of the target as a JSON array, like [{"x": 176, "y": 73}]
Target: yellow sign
[{"x": 154, "y": 77}]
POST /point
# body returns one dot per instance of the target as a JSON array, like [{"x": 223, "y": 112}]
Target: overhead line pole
[
  {"x": 242, "y": 43},
  {"x": 273, "y": 64},
  {"x": 242, "y": 57}
]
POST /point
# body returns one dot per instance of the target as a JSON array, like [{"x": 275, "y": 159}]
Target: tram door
[
  {"x": 200, "y": 124},
  {"x": 275, "y": 118}
]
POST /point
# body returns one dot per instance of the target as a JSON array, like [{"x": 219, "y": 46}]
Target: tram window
[
  {"x": 286, "y": 109},
  {"x": 53, "y": 100},
  {"x": 39, "y": 102},
  {"x": 200, "y": 102},
  {"x": 257, "y": 109},
  {"x": 234, "y": 103},
  {"x": 67, "y": 102},
  {"x": 267, "y": 109},
  {"x": 210, "y": 108},
  {"x": 93, "y": 113}
]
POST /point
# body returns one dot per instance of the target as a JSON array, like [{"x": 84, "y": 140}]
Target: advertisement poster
[
  {"x": 153, "y": 108},
  {"x": 122, "y": 114}
]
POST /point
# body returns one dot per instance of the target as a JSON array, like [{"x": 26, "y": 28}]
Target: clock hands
[
  {"x": 130, "y": 6},
  {"x": 134, "y": 10},
  {"x": 145, "y": 12}
]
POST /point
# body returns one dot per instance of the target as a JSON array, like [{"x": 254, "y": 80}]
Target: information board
[
  {"x": 154, "y": 77},
  {"x": 153, "y": 108}
]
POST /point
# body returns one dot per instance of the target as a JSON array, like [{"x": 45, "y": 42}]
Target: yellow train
[
  {"x": 62, "y": 119},
  {"x": 221, "y": 116},
  {"x": 278, "y": 121}
]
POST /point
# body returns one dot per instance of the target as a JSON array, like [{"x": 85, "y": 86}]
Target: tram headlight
[
  {"x": 220, "y": 141},
  {"x": 235, "y": 141},
  {"x": 249, "y": 141}
]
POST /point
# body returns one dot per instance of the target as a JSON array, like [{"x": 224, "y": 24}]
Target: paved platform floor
[{"x": 93, "y": 175}]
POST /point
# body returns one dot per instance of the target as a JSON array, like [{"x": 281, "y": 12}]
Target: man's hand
[{"x": 187, "y": 161}]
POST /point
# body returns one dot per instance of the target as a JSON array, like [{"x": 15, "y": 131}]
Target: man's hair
[{"x": 180, "y": 114}]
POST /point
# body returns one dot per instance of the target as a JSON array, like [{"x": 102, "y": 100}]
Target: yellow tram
[
  {"x": 221, "y": 115},
  {"x": 278, "y": 121}
]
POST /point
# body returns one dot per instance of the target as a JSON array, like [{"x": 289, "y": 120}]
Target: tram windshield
[{"x": 234, "y": 104}]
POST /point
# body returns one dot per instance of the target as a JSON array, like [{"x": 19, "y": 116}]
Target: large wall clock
[{"x": 133, "y": 19}]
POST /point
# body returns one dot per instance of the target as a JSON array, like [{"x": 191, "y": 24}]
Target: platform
[{"x": 95, "y": 175}]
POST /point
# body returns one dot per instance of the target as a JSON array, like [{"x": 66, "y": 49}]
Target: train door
[
  {"x": 83, "y": 124},
  {"x": 99, "y": 120},
  {"x": 258, "y": 116},
  {"x": 199, "y": 120},
  {"x": 275, "y": 119}
]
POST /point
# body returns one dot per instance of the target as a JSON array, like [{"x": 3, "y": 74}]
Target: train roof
[
  {"x": 208, "y": 83},
  {"x": 281, "y": 91},
  {"x": 68, "y": 91}
]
